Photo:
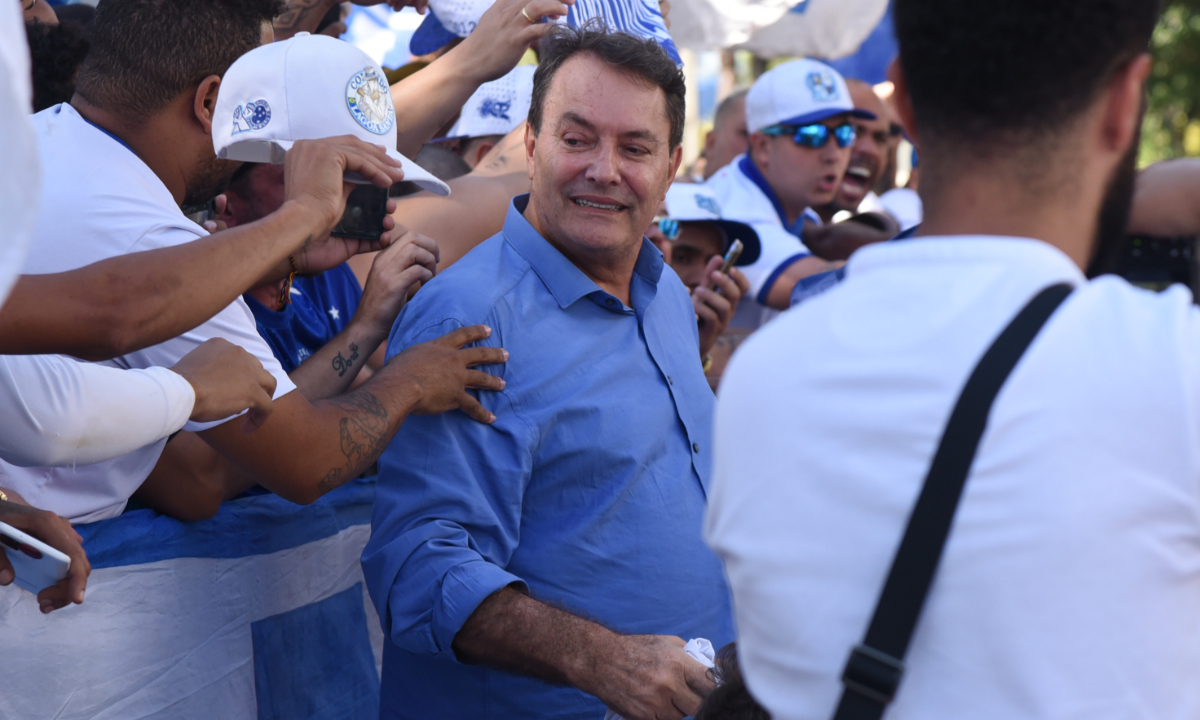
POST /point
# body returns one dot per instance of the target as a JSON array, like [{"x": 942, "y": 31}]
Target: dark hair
[
  {"x": 55, "y": 52},
  {"x": 1013, "y": 73},
  {"x": 639, "y": 57},
  {"x": 730, "y": 700},
  {"x": 146, "y": 52}
]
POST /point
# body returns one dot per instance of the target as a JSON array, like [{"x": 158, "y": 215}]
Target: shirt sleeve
[
  {"x": 447, "y": 516},
  {"x": 59, "y": 411},
  {"x": 779, "y": 250}
]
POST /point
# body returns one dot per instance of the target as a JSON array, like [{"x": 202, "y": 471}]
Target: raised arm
[
  {"x": 496, "y": 45},
  {"x": 305, "y": 15},
  {"x": 1166, "y": 199},
  {"x": 126, "y": 303}
]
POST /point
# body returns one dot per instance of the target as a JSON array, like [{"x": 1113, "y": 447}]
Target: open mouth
[
  {"x": 857, "y": 180},
  {"x": 598, "y": 204}
]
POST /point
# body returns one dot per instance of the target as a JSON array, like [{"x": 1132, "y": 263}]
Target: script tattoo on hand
[
  {"x": 341, "y": 364},
  {"x": 364, "y": 437}
]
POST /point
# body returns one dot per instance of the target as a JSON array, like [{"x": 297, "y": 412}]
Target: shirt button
[
  {"x": 610, "y": 302},
  {"x": 695, "y": 447}
]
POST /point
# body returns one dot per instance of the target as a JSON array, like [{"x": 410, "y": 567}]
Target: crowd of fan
[{"x": 526, "y": 355}]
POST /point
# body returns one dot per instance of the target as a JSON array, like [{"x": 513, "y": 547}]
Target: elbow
[
  {"x": 200, "y": 508},
  {"x": 114, "y": 338}
]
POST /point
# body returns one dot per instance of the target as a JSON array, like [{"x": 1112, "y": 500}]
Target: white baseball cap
[
  {"x": 497, "y": 107},
  {"x": 696, "y": 203},
  {"x": 308, "y": 87},
  {"x": 798, "y": 92}
]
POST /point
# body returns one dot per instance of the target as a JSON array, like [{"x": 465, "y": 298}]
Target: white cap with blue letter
[
  {"x": 798, "y": 92},
  {"x": 497, "y": 107},
  {"x": 309, "y": 87}
]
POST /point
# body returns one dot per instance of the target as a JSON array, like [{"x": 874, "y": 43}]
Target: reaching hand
[
  {"x": 314, "y": 175},
  {"x": 649, "y": 677},
  {"x": 715, "y": 309},
  {"x": 503, "y": 34},
  {"x": 57, "y": 533},
  {"x": 441, "y": 370},
  {"x": 327, "y": 252},
  {"x": 227, "y": 380},
  {"x": 407, "y": 261}
]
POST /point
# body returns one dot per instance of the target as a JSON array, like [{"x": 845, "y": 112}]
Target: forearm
[
  {"x": 439, "y": 91},
  {"x": 305, "y": 449},
  {"x": 129, "y": 302},
  {"x": 779, "y": 296},
  {"x": 300, "y": 16},
  {"x": 190, "y": 480},
  {"x": 512, "y": 631},
  {"x": 331, "y": 370}
]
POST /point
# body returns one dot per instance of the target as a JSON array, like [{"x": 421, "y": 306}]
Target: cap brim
[
  {"x": 751, "y": 247},
  {"x": 431, "y": 35},
  {"x": 273, "y": 151},
  {"x": 414, "y": 173},
  {"x": 825, "y": 114}
]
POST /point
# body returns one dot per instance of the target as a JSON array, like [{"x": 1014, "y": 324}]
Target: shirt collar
[
  {"x": 751, "y": 171},
  {"x": 566, "y": 282},
  {"x": 965, "y": 250}
]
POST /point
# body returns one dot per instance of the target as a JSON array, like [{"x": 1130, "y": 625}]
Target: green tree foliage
[{"x": 1172, "y": 126}]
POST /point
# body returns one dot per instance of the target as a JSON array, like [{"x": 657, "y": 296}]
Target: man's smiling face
[{"x": 602, "y": 161}]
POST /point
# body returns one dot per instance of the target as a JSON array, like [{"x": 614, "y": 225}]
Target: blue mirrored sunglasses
[
  {"x": 816, "y": 135},
  {"x": 668, "y": 227}
]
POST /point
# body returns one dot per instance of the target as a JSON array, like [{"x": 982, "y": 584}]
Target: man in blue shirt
[{"x": 551, "y": 563}]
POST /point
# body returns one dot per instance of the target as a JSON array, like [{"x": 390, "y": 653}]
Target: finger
[
  {"x": 485, "y": 356},
  {"x": 740, "y": 278},
  {"x": 725, "y": 284},
  {"x": 389, "y": 222},
  {"x": 544, "y": 8},
  {"x": 477, "y": 412},
  {"x": 706, "y": 314},
  {"x": 54, "y": 597},
  {"x": 382, "y": 171},
  {"x": 259, "y": 411},
  {"x": 719, "y": 305},
  {"x": 210, "y": 226},
  {"x": 391, "y": 206},
  {"x": 219, "y": 202},
  {"x": 467, "y": 335},
  {"x": 7, "y": 574},
  {"x": 483, "y": 381}
]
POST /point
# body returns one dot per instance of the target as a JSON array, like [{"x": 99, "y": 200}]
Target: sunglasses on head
[
  {"x": 816, "y": 135},
  {"x": 669, "y": 227}
]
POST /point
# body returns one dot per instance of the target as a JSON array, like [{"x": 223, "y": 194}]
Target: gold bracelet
[{"x": 707, "y": 363}]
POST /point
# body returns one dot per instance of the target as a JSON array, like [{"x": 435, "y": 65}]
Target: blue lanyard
[{"x": 106, "y": 132}]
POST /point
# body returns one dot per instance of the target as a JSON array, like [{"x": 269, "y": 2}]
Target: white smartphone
[{"x": 36, "y": 564}]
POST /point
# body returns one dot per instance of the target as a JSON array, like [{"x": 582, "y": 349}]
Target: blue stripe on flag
[{"x": 255, "y": 525}]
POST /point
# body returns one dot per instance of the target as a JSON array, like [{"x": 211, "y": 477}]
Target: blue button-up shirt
[{"x": 589, "y": 489}]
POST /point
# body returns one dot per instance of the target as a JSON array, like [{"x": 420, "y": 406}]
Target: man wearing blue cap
[{"x": 798, "y": 115}]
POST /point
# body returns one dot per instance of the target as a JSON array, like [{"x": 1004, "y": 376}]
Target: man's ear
[
  {"x": 902, "y": 101},
  {"x": 234, "y": 207},
  {"x": 530, "y": 144},
  {"x": 758, "y": 151},
  {"x": 204, "y": 104},
  {"x": 676, "y": 160},
  {"x": 481, "y": 151},
  {"x": 1123, "y": 105}
]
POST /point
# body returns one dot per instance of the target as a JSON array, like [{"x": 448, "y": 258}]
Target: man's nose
[{"x": 605, "y": 166}]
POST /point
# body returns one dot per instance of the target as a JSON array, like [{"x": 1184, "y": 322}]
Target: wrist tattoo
[
  {"x": 342, "y": 364},
  {"x": 364, "y": 435}
]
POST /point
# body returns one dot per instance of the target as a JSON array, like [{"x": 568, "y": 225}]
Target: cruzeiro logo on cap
[
  {"x": 370, "y": 101},
  {"x": 706, "y": 202},
  {"x": 824, "y": 89},
  {"x": 249, "y": 116},
  {"x": 492, "y": 107}
]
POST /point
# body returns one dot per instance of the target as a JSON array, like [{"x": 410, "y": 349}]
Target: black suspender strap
[{"x": 876, "y": 666}]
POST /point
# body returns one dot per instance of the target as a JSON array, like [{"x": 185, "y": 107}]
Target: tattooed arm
[{"x": 306, "y": 449}]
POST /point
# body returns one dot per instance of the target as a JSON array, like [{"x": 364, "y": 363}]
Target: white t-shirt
[
  {"x": 741, "y": 199},
  {"x": 1070, "y": 584},
  {"x": 19, "y": 171},
  {"x": 99, "y": 201}
]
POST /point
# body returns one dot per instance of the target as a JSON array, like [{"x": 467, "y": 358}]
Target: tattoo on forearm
[
  {"x": 364, "y": 435},
  {"x": 342, "y": 364},
  {"x": 297, "y": 12}
]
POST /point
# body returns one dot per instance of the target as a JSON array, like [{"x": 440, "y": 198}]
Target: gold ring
[{"x": 526, "y": 16}]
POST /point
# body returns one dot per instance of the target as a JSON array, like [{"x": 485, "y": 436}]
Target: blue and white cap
[
  {"x": 798, "y": 92},
  {"x": 497, "y": 107},
  {"x": 307, "y": 88},
  {"x": 696, "y": 203},
  {"x": 448, "y": 19}
]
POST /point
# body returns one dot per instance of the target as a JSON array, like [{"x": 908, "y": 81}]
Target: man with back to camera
[
  {"x": 728, "y": 137},
  {"x": 799, "y": 115},
  {"x": 117, "y": 162},
  {"x": 584, "y": 499},
  {"x": 1068, "y": 585}
]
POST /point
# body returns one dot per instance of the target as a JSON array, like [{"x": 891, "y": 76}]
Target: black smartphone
[
  {"x": 365, "y": 210},
  {"x": 200, "y": 214}
]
